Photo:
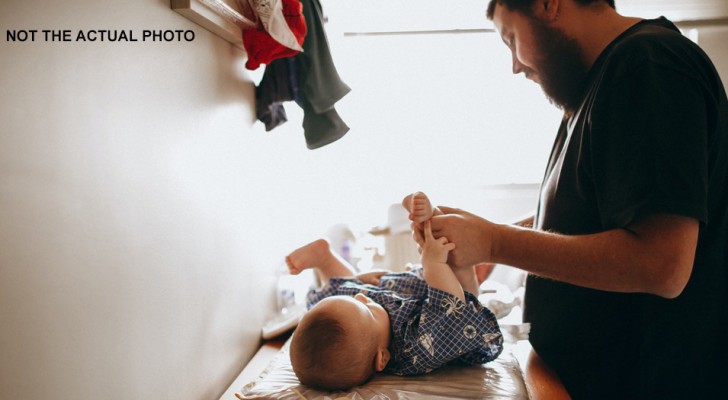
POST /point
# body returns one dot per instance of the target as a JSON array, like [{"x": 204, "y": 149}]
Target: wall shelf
[{"x": 224, "y": 18}]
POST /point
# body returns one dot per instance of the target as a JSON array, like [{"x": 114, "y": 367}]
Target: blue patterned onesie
[{"x": 429, "y": 327}]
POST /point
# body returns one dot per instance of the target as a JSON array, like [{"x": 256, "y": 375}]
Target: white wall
[
  {"x": 713, "y": 39},
  {"x": 140, "y": 215}
]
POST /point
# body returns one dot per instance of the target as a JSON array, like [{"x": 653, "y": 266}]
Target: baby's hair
[{"x": 325, "y": 356}]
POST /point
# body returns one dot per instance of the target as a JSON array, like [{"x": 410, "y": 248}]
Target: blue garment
[{"x": 429, "y": 327}]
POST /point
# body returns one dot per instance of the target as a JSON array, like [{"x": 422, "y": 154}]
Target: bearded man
[{"x": 627, "y": 251}]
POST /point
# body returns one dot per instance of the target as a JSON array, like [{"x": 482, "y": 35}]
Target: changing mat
[{"x": 498, "y": 379}]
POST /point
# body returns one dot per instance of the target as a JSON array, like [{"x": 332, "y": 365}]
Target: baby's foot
[
  {"x": 420, "y": 208},
  {"x": 308, "y": 256}
]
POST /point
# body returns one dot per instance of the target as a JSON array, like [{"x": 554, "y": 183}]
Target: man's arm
[{"x": 654, "y": 254}]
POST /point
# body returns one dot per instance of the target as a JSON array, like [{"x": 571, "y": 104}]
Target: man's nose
[{"x": 517, "y": 66}]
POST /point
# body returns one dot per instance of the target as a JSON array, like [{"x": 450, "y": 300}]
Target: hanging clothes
[
  {"x": 274, "y": 89},
  {"x": 320, "y": 81},
  {"x": 308, "y": 78},
  {"x": 281, "y": 31},
  {"x": 320, "y": 84}
]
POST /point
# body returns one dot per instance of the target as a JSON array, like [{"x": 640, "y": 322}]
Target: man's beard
[{"x": 562, "y": 71}]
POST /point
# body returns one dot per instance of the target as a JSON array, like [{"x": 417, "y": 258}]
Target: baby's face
[{"x": 360, "y": 313}]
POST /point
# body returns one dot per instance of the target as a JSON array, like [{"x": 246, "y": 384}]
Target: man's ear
[
  {"x": 381, "y": 359},
  {"x": 548, "y": 9}
]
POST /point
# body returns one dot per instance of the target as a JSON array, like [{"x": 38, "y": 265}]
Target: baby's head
[{"x": 340, "y": 343}]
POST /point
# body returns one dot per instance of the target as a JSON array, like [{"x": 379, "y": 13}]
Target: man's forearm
[{"x": 654, "y": 257}]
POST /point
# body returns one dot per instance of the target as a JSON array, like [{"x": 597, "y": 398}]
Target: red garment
[{"x": 262, "y": 48}]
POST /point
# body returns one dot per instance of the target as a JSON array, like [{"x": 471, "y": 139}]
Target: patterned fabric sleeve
[
  {"x": 393, "y": 286},
  {"x": 448, "y": 329}
]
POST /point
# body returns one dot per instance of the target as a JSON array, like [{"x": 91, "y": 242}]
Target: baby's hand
[
  {"x": 435, "y": 250},
  {"x": 372, "y": 277}
]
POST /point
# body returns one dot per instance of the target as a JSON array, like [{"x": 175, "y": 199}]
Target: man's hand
[{"x": 472, "y": 235}]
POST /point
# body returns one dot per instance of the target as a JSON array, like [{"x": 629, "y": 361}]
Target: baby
[{"x": 404, "y": 323}]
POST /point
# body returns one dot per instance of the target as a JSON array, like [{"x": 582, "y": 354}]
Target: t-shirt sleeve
[
  {"x": 648, "y": 146},
  {"x": 451, "y": 329}
]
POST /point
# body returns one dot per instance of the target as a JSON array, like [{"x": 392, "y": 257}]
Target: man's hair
[
  {"x": 524, "y": 6},
  {"x": 326, "y": 356}
]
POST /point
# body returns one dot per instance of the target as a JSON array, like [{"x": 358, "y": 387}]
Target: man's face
[{"x": 545, "y": 55}]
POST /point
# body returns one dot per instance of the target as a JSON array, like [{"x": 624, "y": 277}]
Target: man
[{"x": 626, "y": 292}]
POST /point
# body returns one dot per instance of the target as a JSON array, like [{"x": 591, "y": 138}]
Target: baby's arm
[
  {"x": 372, "y": 277},
  {"x": 437, "y": 273}
]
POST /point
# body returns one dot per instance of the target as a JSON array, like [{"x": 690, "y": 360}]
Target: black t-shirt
[{"x": 650, "y": 137}]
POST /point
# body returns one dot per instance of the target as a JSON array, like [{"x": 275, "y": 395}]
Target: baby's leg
[
  {"x": 318, "y": 255},
  {"x": 471, "y": 278},
  {"x": 483, "y": 271},
  {"x": 419, "y": 207},
  {"x": 468, "y": 279}
]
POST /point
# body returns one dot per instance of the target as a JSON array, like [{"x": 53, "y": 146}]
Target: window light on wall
[{"x": 435, "y": 109}]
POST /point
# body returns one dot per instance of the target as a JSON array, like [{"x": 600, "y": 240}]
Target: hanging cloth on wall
[
  {"x": 320, "y": 84},
  {"x": 280, "y": 33},
  {"x": 278, "y": 85},
  {"x": 310, "y": 78}
]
